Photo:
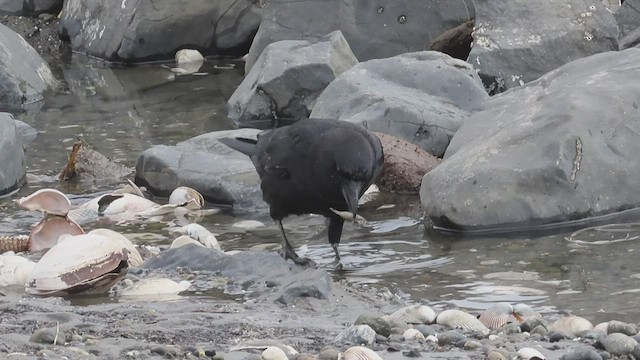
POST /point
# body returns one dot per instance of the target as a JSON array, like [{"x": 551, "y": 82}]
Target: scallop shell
[
  {"x": 530, "y": 354},
  {"x": 274, "y": 353},
  {"x": 458, "y": 319},
  {"x": 415, "y": 314},
  {"x": 497, "y": 315},
  {"x": 14, "y": 269},
  {"x": 360, "y": 353},
  {"x": 50, "y": 201},
  {"x": 571, "y": 325},
  {"x": 88, "y": 263},
  {"x": 200, "y": 234}
]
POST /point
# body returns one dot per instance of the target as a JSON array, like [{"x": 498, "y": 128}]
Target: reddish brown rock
[{"x": 404, "y": 165}]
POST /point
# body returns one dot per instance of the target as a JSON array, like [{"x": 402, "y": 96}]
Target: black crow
[{"x": 311, "y": 167}]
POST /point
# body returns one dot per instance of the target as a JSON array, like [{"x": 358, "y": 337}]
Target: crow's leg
[
  {"x": 287, "y": 249},
  {"x": 335, "y": 233}
]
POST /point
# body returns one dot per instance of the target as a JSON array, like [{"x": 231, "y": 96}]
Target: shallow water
[{"x": 122, "y": 111}]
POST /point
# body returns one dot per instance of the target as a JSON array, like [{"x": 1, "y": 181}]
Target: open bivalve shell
[
  {"x": 47, "y": 200},
  {"x": 90, "y": 263}
]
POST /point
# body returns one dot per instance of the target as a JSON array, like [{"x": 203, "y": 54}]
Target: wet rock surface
[
  {"x": 12, "y": 159},
  {"x": 373, "y": 30},
  {"x": 149, "y": 30},
  {"x": 491, "y": 157},
  {"x": 287, "y": 79},
  {"x": 530, "y": 48},
  {"x": 421, "y": 97}
]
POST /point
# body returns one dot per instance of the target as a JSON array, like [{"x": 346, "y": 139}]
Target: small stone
[
  {"x": 76, "y": 337},
  {"x": 426, "y": 330},
  {"x": 47, "y": 336},
  {"x": 212, "y": 354},
  {"x": 511, "y": 329},
  {"x": 412, "y": 353},
  {"x": 493, "y": 337},
  {"x": 496, "y": 355},
  {"x": 619, "y": 344},
  {"x": 620, "y": 327},
  {"x": 378, "y": 324},
  {"x": 357, "y": 334},
  {"x": 582, "y": 353},
  {"x": 472, "y": 345},
  {"x": 539, "y": 330},
  {"x": 636, "y": 351},
  {"x": 450, "y": 337},
  {"x": 532, "y": 323},
  {"x": 396, "y": 337},
  {"x": 329, "y": 353},
  {"x": 381, "y": 339},
  {"x": 555, "y": 336}
]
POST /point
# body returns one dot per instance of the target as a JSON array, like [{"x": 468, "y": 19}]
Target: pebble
[
  {"x": 582, "y": 353},
  {"x": 450, "y": 337},
  {"x": 496, "y": 355},
  {"x": 47, "y": 336},
  {"x": 615, "y": 326},
  {"x": 539, "y": 330},
  {"x": 357, "y": 334},
  {"x": 426, "y": 330},
  {"x": 510, "y": 329},
  {"x": 555, "y": 336},
  {"x": 412, "y": 353},
  {"x": 472, "y": 345},
  {"x": 378, "y": 324},
  {"x": 413, "y": 334},
  {"x": 532, "y": 323},
  {"x": 619, "y": 344},
  {"x": 328, "y": 353}
]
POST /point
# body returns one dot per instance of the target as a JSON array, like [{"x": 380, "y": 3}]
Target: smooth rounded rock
[
  {"x": 451, "y": 337},
  {"x": 619, "y": 344},
  {"x": 379, "y": 325},
  {"x": 555, "y": 336},
  {"x": 582, "y": 353},
  {"x": 615, "y": 326},
  {"x": 357, "y": 334}
]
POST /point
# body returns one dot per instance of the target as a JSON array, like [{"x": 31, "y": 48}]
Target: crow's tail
[{"x": 244, "y": 145}]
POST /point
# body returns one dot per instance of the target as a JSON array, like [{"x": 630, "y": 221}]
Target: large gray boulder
[
  {"x": 373, "y": 29},
  {"x": 628, "y": 18},
  {"x": 12, "y": 160},
  {"x": 517, "y": 41},
  {"x": 24, "y": 75},
  {"x": 562, "y": 147},
  {"x": 136, "y": 30},
  {"x": 287, "y": 79},
  {"x": 30, "y": 7},
  {"x": 421, "y": 97},
  {"x": 221, "y": 174}
]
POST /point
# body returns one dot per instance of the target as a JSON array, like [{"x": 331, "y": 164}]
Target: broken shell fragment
[
  {"x": 155, "y": 287},
  {"x": 50, "y": 201},
  {"x": 198, "y": 233},
  {"x": 530, "y": 354},
  {"x": 187, "y": 197},
  {"x": 90, "y": 263},
  {"x": 415, "y": 314},
  {"x": 348, "y": 216},
  {"x": 14, "y": 269}
]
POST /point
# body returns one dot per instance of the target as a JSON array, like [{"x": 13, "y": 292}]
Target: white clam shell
[
  {"x": 458, "y": 319},
  {"x": 360, "y": 353},
  {"x": 89, "y": 263},
  {"x": 571, "y": 325},
  {"x": 47, "y": 200},
  {"x": 198, "y": 233},
  {"x": 274, "y": 353},
  {"x": 411, "y": 334},
  {"x": 530, "y": 354},
  {"x": 415, "y": 314},
  {"x": 263, "y": 345},
  {"x": 188, "y": 55},
  {"x": 14, "y": 269},
  {"x": 155, "y": 287},
  {"x": 187, "y": 197},
  {"x": 184, "y": 240}
]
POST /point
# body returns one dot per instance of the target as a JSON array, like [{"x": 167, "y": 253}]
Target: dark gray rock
[
  {"x": 12, "y": 160},
  {"x": 30, "y": 7},
  {"x": 136, "y": 30},
  {"x": 21, "y": 82},
  {"x": 308, "y": 284},
  {"x": 619, "y": 344},
  {"x": 357, "y": 334},
  {"x": 221, "y": 174},
  {"x": 426, "y": 330},
  {"x": 378, "y": 324},
  {"x": 615, "y": 326},
  {"x": 525, "y": 39},
  {"x": 628, "y": 18},
  {"x": 582, "y": 353},
  {"x": 557, "y": 149},
  {"x": 451, "y": 337},
  {"x": 25, "y": 132},
  {"x": 421, "y": 97},
  {"x": 374, "y": 30},
  {"x": 287, "y": 79}
]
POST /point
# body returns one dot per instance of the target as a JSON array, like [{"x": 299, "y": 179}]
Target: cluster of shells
[
  {"x": 75, "y": 262},
  {"x": 502, "y": 331}
]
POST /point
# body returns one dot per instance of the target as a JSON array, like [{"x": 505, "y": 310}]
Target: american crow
[{"x": 312, "y": 166}]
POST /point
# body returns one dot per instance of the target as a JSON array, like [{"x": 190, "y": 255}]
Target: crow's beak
[{"x": 351, "y": 194}]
